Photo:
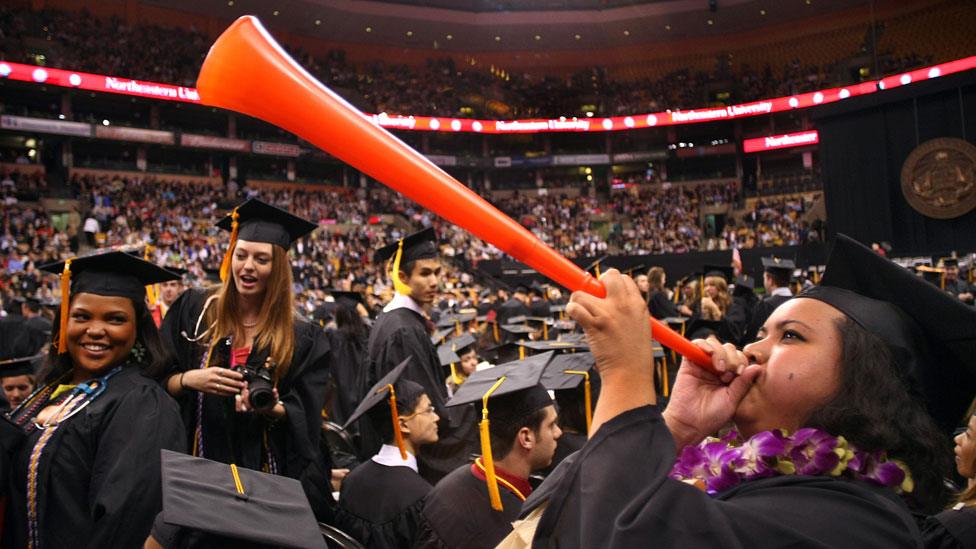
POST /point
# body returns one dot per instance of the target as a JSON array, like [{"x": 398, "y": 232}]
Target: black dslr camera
[{"x": 260, "y": 384}]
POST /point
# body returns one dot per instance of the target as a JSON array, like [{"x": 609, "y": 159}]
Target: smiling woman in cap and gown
[
  {"x": 842, "y": 410},
  {"x": 84, "y": 449},
  {"x": 403, "y": 330},
  {"x": 249, "y": 323}
]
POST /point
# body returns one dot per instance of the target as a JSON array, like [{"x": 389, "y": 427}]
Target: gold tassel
[
  {"x": 545, "y": 330},
  {"x": 587, "y": 396},
  {"x": 457, "y": 327},
  {"x": 486, "y": 457},
  {"x": 225, "y": 264},
  {"x": 494, "y": 332},
  {"x": 65, "y": 296},
  {"x": 238, "y": 485},
  {"x": 151, "y": 288},
  {"x": 398, "y": 285},
  {"x": 454, "y": 375},
  {"x": 397, "y": 435},
  {"x": 521, "y": 352}
]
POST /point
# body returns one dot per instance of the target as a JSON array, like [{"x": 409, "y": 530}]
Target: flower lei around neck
[{"x": 717, "y": 464}]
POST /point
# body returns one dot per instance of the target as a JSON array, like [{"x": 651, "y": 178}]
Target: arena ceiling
[{"x": 515, "y": 25}]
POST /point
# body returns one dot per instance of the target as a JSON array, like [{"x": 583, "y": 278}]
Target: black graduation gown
[
  {"x": 347, "y": 374},
  {"x": 99, "y": 474},
  {"x": 458, "y": 513},
  {"x": 631, "y": 502},
  {"x": 661, "y": 307},
  {"x": 232, "y": 437},
  {"x": 760, "y": 313},
  {"x": 400, "y": 333},
  {"x": 951, "y": 529},
  {"x": 380, "y": 505}
]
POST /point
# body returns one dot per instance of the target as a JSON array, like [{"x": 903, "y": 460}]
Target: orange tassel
[
  {"x": 65, "y": 296},
  {"x": 397, "y": 435},
  {"x": 486, "y": 457},
  {"x": 225, "y": 264}
]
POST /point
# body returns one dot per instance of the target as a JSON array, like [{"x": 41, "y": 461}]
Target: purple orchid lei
[{"x": 718, "y": 464}]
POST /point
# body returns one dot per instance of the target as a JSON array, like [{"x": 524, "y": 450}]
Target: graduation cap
[
  {"x": 440, "y": 335},
  {"x": 930, "y": 333},
  {"x": 348, "y": 300},
  {"x": 949, "y": 261},
  {"x": 419, "y": 245},
  {"x": 23, "y": 366},
  {"x": 517, "y": 319},
  {"x": 504, "y": 352},
  {"x": 238, "y": 503},
  {"x": 258, "y": 221},
  {"x": 556, "y": 346},
  {"x": 726, "y": 272},
  {"x": 566, "y": 372},
  {"x": 777, "y": 264},
  {"x": 115, "y": 274},
  {"x": 508, "y": 393},
  {"x": 386, "y": 390},
  {"x": 595, "y": 266},
  {"x": 455, "y": 321},
  {"x": 450, "y": 353},
  {"x": 629, "y": 271},
  {"x": 744, "y": 284}
]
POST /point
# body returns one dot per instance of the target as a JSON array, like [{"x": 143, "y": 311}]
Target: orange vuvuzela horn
[{"x": 248, "y": 72}]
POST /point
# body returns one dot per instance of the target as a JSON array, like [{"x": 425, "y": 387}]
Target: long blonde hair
[
  {"x": 723, "y": 299},
  {"x": 276, "y": 320}
]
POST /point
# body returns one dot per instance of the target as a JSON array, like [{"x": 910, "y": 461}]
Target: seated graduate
[
  {"x": 461, "y": 356},
  {"x": 838, "y": 409},
  {"x": 85, "y": 471},
  {"x": 474, "y": 505},
  {"x": 18, "y": 378},
  {"x": 718, "y": 314},
  {"x": 221, "y": 506},
  {"x": 247, "y": 327},
  {"x": 381, "y": 499},
  {"x": 956, "y": 527},
  {"x": 575, "y": 384}
]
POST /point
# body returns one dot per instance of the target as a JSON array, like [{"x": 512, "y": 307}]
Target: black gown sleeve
[
  {"x": 125, "y": 488},
  {"x": 616, "y": 493},
  {"x": 951, "y": 529},
  {"x": 304, "y": 398},
  {"x": 661, "y": 307}
]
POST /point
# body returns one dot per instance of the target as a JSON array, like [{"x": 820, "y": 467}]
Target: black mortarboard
[
  {"x": 629, "y": 271},
  {"x": 595, "y": 266},
  {"x": 508, "y": 393},
  {"x": 115, "y": 274},
  {"x": 557, "y": 308},
  {"x": 348, "y": 300},
  {"x": 565, "y": 373},
  {"x": 404, "y": 391},
  {"x": 518, "y": 328},
  {"x": 949, "y": 262},
  {"x": 554, "y": 345},
  {"x": 785, "y": 266},
  {"x": 450, "y": 321},
  {"x": 450, "y": 353},
  {"x": 24, "y": 366},
  {"x": 237, "y": 503},
  {"x": 517, "y": 319},
  {"x": 930, "y": 333},
  {"x": 744, "y": 284},
  {"x": 261, "y": 222},
  {"x": 726, "y": 272},
  {"x": 502, "y": 353},
  {"x": 440, "y": 335},
  {"x": 176, "y": 270},
  {"x": 419, "y": 245},
  {"x": 556, "y": 378}
]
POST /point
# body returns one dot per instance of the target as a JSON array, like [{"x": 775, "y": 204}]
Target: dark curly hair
[{"x": 876, "y": 409}]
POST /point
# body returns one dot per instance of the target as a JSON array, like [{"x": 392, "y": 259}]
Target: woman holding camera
[{"x": 250, "y": 376}]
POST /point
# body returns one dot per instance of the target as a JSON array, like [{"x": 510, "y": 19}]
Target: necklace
[
  {"x": 249, "y": 325},
  {"x": 718, "y": 464}
]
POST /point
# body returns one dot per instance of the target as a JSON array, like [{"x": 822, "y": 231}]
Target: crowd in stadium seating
[
  {"x": 149, "y": 52},
  {"x": 176, "y": 216}
]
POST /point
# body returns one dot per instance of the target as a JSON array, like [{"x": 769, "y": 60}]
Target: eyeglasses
[{"x": 428, "y": 410}]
